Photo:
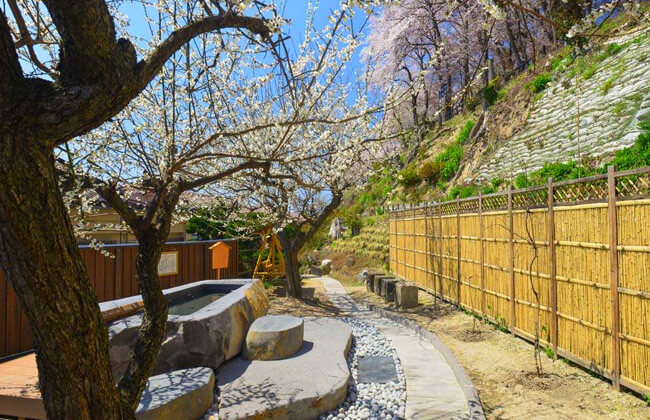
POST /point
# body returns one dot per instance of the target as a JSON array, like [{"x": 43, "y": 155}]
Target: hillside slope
[{"x": 590, "y": 109}]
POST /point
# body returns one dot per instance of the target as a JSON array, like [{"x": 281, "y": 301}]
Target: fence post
[
  {"x": 414, "y": 246},
  {"x": 482, "y": 244},
  {"x": 552, "y": 266},
  {"x": 426, "y": 245},
  {"x": 440, "y": 250},
  {"x": 613, "y": 278},
  {"x": 458, "y": 250},
  {"x": 511, "y": 257}
]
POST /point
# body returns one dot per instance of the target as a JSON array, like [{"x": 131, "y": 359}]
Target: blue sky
[{"x": 295, "y": 10}]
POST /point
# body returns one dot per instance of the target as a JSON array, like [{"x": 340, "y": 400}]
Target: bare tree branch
[{"x": 149, "y": 67}]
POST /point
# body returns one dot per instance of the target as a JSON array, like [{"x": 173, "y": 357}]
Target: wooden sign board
[
  {"x": 168, "y": 264},
  {"x": 220, "y": 255}
]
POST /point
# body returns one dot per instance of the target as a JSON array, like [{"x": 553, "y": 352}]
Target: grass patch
[
  {"x": 540, "y": 82},
  {"x": 609, "y": 83},
  {"x": 463, "y": 135}
]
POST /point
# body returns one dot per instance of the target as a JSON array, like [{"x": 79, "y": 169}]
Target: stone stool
[
  {"x": 273, "y": 337},
  {"x": 406, "y": 295},
  {"x": 379, "y": 284},
  {"x": 370, "y": 279},
  {"x": 388, "y": 289}
]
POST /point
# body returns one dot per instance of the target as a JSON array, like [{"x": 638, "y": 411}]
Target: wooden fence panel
[
  {"x": 585, "y": 265},
  {"x": 112, "y": 278},
  {"x": 497, "y": 277},
  {"x": 584, "y": 315},
  {"x": 470, "y": 266},
  {"x": 634, "y": 290},
  {"x": 532, "y": 285}
]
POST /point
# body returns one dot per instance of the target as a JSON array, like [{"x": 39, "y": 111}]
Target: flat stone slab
[
  {"x": 303, "y": 386},
  {"x": 273, "y": 337},
  {"x": 377, "y": 369},
  {"x": 182, "y": 394}
]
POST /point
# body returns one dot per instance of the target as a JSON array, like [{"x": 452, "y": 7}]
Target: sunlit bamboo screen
[{"x": 575, "y": 255}]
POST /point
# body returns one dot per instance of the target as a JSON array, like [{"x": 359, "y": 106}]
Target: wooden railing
[
  {"x": 581, "y": 246},
  {"x": 113, "y": 277}
]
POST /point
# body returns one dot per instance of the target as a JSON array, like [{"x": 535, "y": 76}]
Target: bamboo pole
[
  {"x": 511, "y": 257},
  {"x": 482, "y": 245},
  {"x": 415, "y": 263},
  {"x": 458, "y": 250},
  {"x": 552, "y": 267},
  {"x": 426, "y": 245},
  {"x": 440, "y": 288},
  {"x": 613, "y": 276}
]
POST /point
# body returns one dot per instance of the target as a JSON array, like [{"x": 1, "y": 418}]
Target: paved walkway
[{"x": 433, "y": 390}]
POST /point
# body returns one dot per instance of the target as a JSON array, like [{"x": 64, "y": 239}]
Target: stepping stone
[
  {"x": 377, "y": 369},
  {"x": 312, "y": 382},
  {"x": 182, "y": 394},
  {"x": 406, "y": 295},
  {"x": 273, "y": 337},
  {"x": 388, "y": 289}
]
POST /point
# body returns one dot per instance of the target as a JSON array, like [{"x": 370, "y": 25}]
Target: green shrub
[
  {"x": 539, "y": 83},
  {"x": 490, "y": 92},
  {"x": 522, "y": 181},
  {"x": 409, "y": 177},
  {"x": 614, "y": 48},
  {"x": 453, "y": 193},
  {"x": 462, "y": 192},
  {"x": 558, "y": 171},
  {"x": 635, "y": 156},
  {"x": 493, "y": 186},
  {"x": 450, "y": 159},
  {"x": 463, "y": 135},
  {"x": 430, "y": 171},
  {"x": 468, "y": 191},
  {"x": 589, "y": 71}
]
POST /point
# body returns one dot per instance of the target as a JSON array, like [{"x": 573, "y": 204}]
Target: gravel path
[
  {"x": 432, "y": 387},
  {"x": 371, "y": 401}
]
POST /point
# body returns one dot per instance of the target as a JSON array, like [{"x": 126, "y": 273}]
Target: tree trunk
[
  {"x": 448, "y": 96},
  {"x": 290, "y": 249},
  {"x": 154, "y": 322},
  {"x": 519, "y": 63},
  {"x": 294, "y": 281},
  {"x": 40, "y": 258}
]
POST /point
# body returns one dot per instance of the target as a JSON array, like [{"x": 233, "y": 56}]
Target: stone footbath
[{"x": 207, "y": 324}]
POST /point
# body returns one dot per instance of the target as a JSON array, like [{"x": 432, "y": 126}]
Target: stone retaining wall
[{"x": 576, "y": 118}]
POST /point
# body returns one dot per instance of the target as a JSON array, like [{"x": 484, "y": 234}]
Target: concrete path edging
[{"x": 471, "y": 394}]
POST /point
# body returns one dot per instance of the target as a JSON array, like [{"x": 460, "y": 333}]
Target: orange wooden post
[
  {"x": 511, "y": 255},
  {"x": 613, "y": 276},
  {"x": 552, "y": 266}
]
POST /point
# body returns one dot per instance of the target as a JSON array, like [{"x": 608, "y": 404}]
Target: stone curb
[{"x": 473, "y": 401}]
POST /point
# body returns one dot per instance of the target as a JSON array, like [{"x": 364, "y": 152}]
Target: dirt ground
[
  {"x": 313, "y": 303},
  {"x": 503, "y": 369}
]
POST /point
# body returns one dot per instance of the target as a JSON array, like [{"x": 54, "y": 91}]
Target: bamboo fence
[{"x": 577, "y": 252}]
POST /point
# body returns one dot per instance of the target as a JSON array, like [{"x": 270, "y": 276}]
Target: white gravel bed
[
  {"x": 364, "y": 401},
  {"x": 370, "y": 401}
]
